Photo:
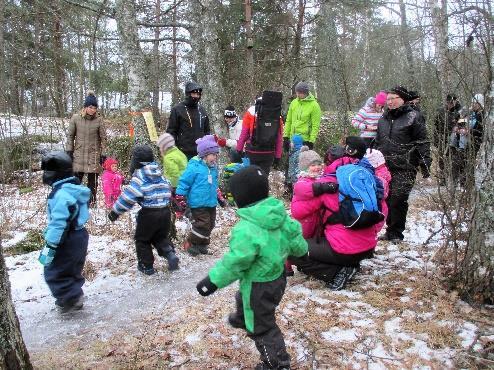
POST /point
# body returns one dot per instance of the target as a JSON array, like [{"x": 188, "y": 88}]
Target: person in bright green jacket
[
  {"x": 303, "y": 118},
  {"x": 174, "y": 161},
  {"x": 259, "y": 246}
]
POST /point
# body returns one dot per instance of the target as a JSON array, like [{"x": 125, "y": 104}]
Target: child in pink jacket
[
  {"x": 112, "y": 181},
  {"x": 335, "y": 257}
]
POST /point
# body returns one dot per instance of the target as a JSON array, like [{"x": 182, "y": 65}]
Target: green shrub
[
  {"x": 120, "y": 148},
  {"x": 33, "y": 241}
]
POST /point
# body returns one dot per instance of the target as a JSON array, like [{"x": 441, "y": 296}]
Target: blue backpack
[{"x": 360, "y": 197}]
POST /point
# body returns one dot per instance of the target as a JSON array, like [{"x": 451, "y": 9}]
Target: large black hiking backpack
[{"x": 267, "y": 125}]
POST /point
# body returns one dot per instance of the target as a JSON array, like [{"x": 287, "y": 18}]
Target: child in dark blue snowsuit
[{"x": 66, "y": 238}]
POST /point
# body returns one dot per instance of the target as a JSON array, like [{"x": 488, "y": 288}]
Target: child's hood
[
  {"x": 150, "y": 171},
  {"x": 268, "y": 214},
  {"x": 80, "y": 192},
  {"x": 108, "y": 163}
]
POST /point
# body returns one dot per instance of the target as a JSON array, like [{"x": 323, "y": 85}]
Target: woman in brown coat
[{"x": 86, "y": 142}]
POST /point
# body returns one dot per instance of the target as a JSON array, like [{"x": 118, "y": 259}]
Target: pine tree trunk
[
  {"x": 477, "y": 272},
  {"x": 138, "y": 73},
  {"x": 440, "y": 32},
  {"x": 59, "y": 73},
  {"x": 175, "y": 90},
  {"x": 208, "y": 60},
  {"x": 406, "y": 43},
  {"x": 13, "y": 351},
  {"x": 3, "y": 79},
  {"x": 156, "y": 67},
  {"x": 249, "y": 50}
]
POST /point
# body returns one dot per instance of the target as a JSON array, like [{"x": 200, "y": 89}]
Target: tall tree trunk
[
  {"x": 156, "y": 67},
  {"x": 208, "y": 60},
  {"x": 440, "y": 31},
  {"x": 139, "y": 100},
  {"x": 59, "y": 73},
  {"x": 477, "y": 272},
  {"x": 406, "y": 44},
  {"x": 13, "y": 351},
  {"x": 3, "y": 79},
  {"x": 249, "y": 50},
  {"x": 297, "y": 41},
  {"x": 175, "y": 90}
]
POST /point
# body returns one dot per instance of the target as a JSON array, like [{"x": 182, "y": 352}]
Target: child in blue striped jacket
[{"x": 152, "y": 192}]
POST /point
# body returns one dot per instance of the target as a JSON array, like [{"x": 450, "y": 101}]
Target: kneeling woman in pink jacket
[{"x": 335, "y": 258}]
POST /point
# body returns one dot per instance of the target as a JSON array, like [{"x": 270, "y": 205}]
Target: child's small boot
[
  {"x": 172, "y": 261},
  {"x": 147, "y": 270},
  {"x": 191, "y": 249},
  {"x": 236, "y": 321}
]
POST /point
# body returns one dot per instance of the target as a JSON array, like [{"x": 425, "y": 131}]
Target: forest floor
[{"x": 395, "y": 314}]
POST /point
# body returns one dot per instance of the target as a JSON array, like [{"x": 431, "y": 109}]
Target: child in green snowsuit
[{"x": 259, "y": 246}]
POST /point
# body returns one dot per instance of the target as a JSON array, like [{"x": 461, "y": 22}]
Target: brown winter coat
[{"x": 87, "y": 139}]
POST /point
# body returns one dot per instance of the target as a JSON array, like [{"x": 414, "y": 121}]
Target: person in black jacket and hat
[
  {"x": 402, "y": 138},
  {"x": 189, "y": 121}
]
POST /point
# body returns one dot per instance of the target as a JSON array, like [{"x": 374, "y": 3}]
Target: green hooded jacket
[
  {"x": 259, "y": 246},
  {"x": 303, "y": 118},
  {"x": 174, "y": 164}
]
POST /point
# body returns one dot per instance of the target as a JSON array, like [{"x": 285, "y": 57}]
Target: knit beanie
[
  {"x": 140, "y": 155},
  {"x": 297, "y": 141},
  {"x": 90, "y": 100},
  {"x": 249, "y": 185},
  {"x": 230, "y": 112},
  {"x": 165, "y": 142},
  {"x": 108, "y": 163},
  {"x": 402, "y": 92},
  {"x": 307, "y": 157},
  {"x": 333, "y": 153},
  {"x": 355, "y": 147},
  {"x": 302, "y": 87},
  {"x": 380, "y": 98},
  {"x": 207, "y": 145},
  {"x": 375, "y": 157}
]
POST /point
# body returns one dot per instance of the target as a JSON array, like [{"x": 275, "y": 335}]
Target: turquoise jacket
[
  {"x": 199, "y": 184},
  {"x": 67, "y": 201}
]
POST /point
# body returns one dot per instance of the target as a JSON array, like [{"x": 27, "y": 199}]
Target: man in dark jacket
[
  {"x": 189, "y": 121},
  {"x": 402, "y": 138},
  {"x": 444, "y": 122}
]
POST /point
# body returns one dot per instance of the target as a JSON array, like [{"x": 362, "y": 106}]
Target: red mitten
[{"x": 221, "y": 142}]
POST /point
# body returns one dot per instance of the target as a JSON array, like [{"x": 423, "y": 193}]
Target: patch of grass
[
  {"x": 25, "y": 190},
  {"x": 32, "y": 242}
]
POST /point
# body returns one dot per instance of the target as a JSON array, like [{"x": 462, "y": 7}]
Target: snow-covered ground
[{"x": 395, "y": 314}]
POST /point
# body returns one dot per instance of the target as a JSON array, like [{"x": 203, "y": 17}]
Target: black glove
[
  {"x": 112, "y": 216},
  {"x": 319, "y": 188},
  {"x": 286, "y": 144},
  {"x": 205, "y": 287},
  {"x": 276, "y": 162},
  {"x": 70, "y": 153},
  {"x": 309, "y": 144},
  {"x": 102, "y": 159}
]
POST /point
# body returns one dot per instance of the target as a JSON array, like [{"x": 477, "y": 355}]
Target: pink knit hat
[{"x": 381, "y": 97}]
